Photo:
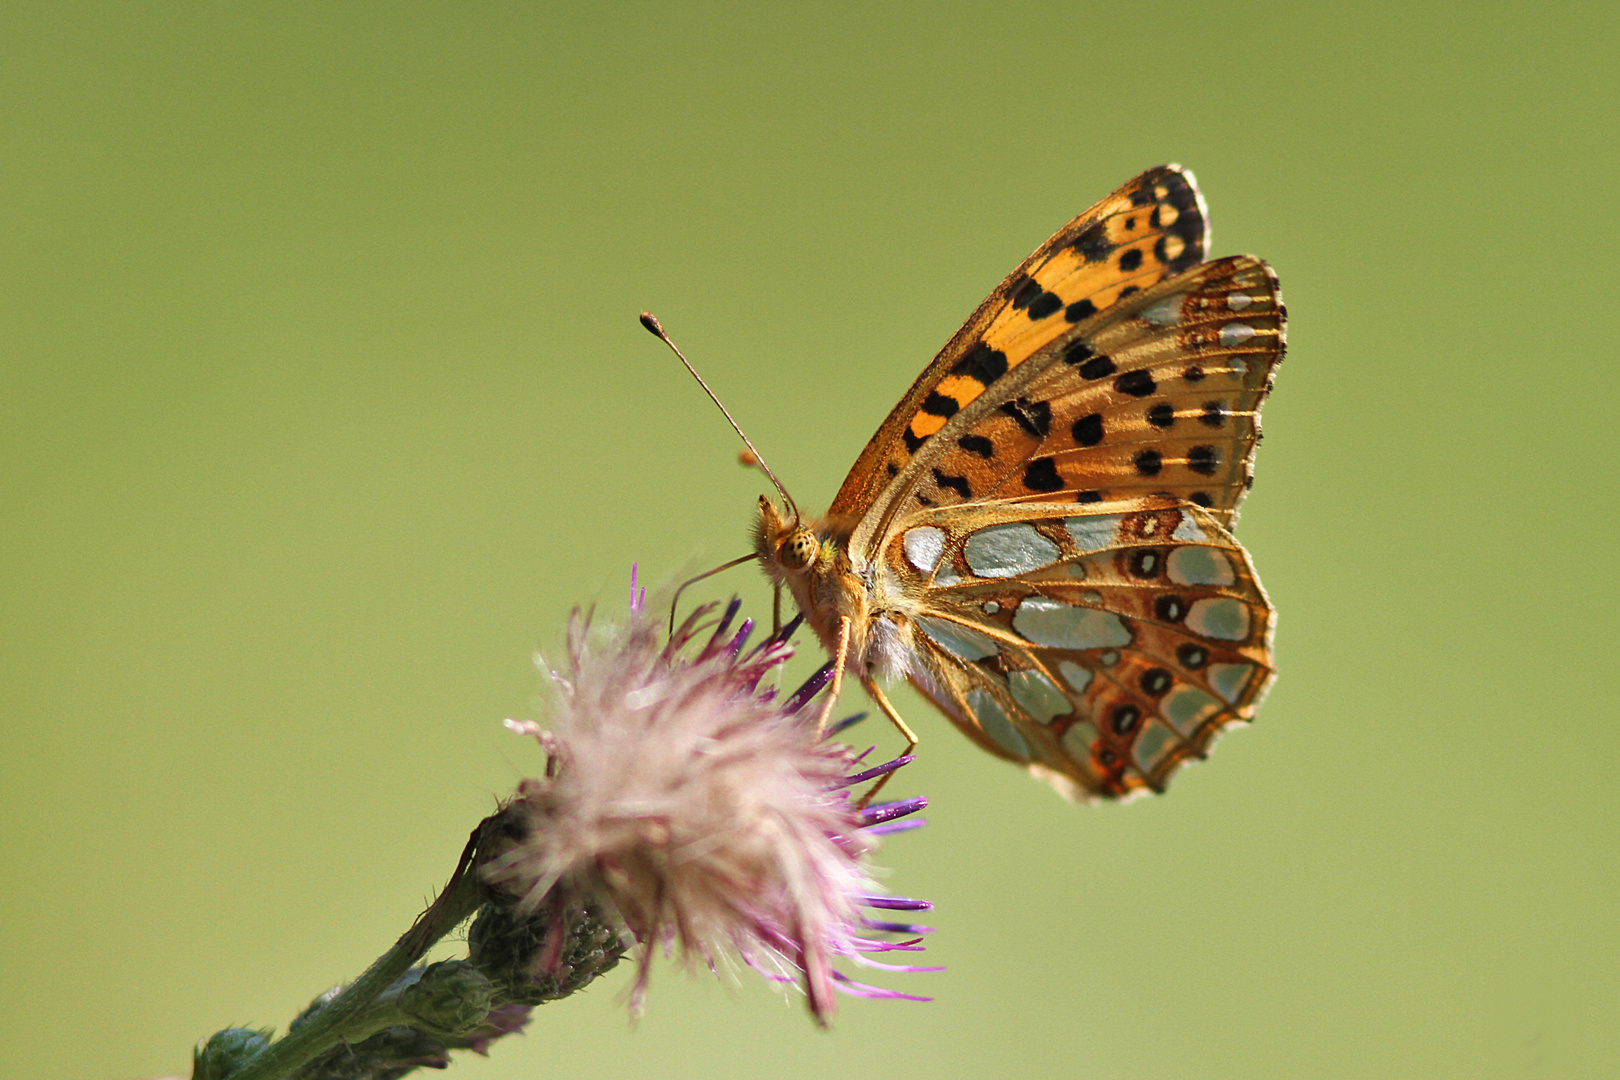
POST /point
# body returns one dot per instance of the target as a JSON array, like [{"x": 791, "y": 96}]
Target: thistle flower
[{"x": 706, "y": 815}]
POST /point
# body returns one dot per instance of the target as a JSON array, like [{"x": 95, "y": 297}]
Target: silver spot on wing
[
  {"x": 923, "y": 546},
  {"x": 1219, "y": 617},
  {"x": 993, "y": 719},
  {"x": 1038, "y": 695},
  {"x": 1064, "y": 626},
  {"x": 1200, "y": 566},
  {"x": 1007, "y": 550},
  {"x": 1093, "y": 533},
  {"x": 956, "y": 639}
]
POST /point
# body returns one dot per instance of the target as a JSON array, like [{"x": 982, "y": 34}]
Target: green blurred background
[{"x": 324, "y": 400}]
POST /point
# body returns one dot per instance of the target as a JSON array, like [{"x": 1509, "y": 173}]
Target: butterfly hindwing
[{"x": 1103, "y": 646}]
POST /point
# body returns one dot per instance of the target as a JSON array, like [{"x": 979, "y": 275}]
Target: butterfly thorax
[{"x": 813, "y": 561}]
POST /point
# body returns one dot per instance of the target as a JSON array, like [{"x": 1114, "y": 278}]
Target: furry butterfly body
[{"x": 1038, "y": 536}]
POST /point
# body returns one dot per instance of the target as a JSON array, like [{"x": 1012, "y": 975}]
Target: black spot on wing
[
  {"x": 1130, "y": 260},
  {"x": 1203, "y": 460},
  {"x": 1035, "y": 417},
  {"x": 1078, "y": 351},
  {"x": 1148, "y": 462},
  {"x": 1189, "y": 253},
  {"x": 1098, "y": 367},
  {"x": 1155, "y": 681},
  {"x": 938, "y": 404},
  {"x": 981, "y": 362},
  {"x": 1088, "y": 430},
  {"x": 977, "y": 444},
  {"x": 913, "y": 440},
  {"x": 1088, "y": 497},
  {"x": 1162, "y": 415},
  {"x": 1170, "y": 608},
  {"x": 1026, "y": 290},
  {"x": 1180, "y": 193},
  {"x": 1137, "y": 383},
  {"x": 1080, "y": 309},
  {"x": 1044, "y": 305},
  {"x": 957, "y": 484},
  {"x": 1042, "y": 475},
  {"x": 1093, "y": 244}
]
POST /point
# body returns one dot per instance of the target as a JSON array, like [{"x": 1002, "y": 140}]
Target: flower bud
[
  {"x": 227, "y": 1051},
  {"x": 451, "y": 996}
]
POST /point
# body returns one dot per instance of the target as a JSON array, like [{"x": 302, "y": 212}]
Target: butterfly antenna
[{"x": 654, "y": 327}]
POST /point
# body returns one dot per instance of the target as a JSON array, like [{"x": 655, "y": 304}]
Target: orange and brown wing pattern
[
  {"x": 1151, "y": 229},
  {"x": 1159, "y": 396},
  {"x": 1103, "y": 646}
]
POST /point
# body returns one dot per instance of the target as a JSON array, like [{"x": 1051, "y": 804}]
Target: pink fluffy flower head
[{"x": 705, "y": 812}]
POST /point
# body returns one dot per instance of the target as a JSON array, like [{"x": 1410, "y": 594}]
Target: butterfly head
[{"x": 784, "y": 546}]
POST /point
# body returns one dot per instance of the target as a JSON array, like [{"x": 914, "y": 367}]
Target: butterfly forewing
[
  {"x": 1159, "y": 396},
  {"x": 1104, "y": 646},
  {"x": 1152, "y": 228}
]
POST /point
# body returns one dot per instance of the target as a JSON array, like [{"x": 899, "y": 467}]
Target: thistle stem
[{"x": 351, "y": 1016}]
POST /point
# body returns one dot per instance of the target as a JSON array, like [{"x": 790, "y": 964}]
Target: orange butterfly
[{"x": 1038, "y": 535}]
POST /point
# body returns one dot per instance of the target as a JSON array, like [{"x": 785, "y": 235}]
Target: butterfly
[{"x": 1039, "y": 535}]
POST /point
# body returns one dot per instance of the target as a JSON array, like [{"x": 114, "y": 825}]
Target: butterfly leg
[
  {"x": 875, "y": 692},
  {"x": 840, "y": 655}
]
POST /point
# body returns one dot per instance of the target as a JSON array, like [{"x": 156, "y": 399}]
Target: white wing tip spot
[{"x": 1236, "y": 333}]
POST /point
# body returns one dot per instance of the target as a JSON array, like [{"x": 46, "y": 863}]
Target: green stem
[{"x": 345, "y": 1016}]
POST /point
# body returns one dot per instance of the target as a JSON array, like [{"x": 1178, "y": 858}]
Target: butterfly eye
[{"x": 798, "y": 550}]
